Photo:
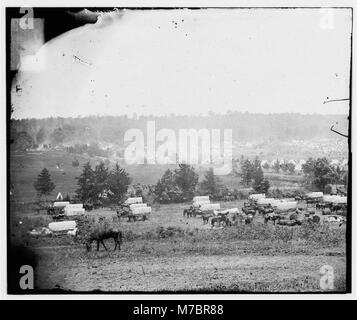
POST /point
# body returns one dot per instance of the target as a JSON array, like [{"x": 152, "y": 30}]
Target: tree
[
  {"x": 324, "y": 173},
  {"x": 101, "y": 175},
  {"x": 186, "y": 179},
  {"x": 43, "y": 184},
  {"x": 284, "y": 166},
  {"x": 40, "y": 136},
  {"x": 264, "y": 186},
  {"x": 260, "y": 184},
  {"x": 247, "y": 172},
  {"x": 319, "y": 173},
  {"x": 276, "y": 166},
  {"x": 22, "y": 140},
  {"x": 258, "y": 179},
  {"x": 166, "y": 189},
  {"x": 138, "y": 190},
  {"x": 291, "y": 167},
  {"x": 308, "y": 168},
  {"x": 211, "y": 184},
  {"x": 86, "y": 183},
  {"x": 58, "y": 136},
  {"x": 266, "y": 166},
  {"x": 118, "y": 183}
]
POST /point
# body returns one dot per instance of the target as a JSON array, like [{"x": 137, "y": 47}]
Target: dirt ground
[{"x": 125, "y": 272}]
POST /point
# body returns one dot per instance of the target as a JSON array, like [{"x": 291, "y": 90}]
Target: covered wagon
[{"x": 133, "y": 200}]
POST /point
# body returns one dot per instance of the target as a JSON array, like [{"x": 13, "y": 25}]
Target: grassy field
[
  {"x": 25, "y": 167},
  {"x": 171, "y": 253}
]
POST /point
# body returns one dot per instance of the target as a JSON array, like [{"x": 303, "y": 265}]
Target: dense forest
[{"x": 29, "y": 133}]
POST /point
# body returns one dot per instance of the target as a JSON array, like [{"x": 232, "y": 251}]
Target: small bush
[{"x": 169, "y": 232}]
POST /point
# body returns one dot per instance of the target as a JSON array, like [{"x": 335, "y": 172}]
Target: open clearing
[
  {"x": 177, "y": 272},
  {"x": 171, "y": 253}
]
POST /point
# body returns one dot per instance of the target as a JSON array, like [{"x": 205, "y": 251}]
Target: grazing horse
[
  {"x": 206, "y": 215},
  {"x": 289, "y": 223},
  {"x": 219, "y": 220},
  {"x": 189, "y": 213},
  {"x": 100, "y": 235}
]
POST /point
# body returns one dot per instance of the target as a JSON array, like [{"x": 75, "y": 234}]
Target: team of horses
[
  {"x": 229, "y": 217},
  {"x": 217, "y": 218}
]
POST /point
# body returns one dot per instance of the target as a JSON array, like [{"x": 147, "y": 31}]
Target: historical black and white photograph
[{"x": 179, "y": 150}]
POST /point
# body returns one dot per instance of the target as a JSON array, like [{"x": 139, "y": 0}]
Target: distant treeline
[{"x": 29, "y": 133}]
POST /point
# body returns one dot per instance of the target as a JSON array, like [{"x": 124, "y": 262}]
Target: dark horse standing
[{"x": 99, "y": 236}]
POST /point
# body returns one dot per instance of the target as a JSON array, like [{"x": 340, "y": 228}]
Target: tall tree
[
  {"x": 118, "y": 183},
  {"x": 43, "y": 184},
  {"x": 101, "y": 175},
  {"x": 40, "y": 136},
  {"x": 58, "y": 136},
  {"x": 211, "y": 183},
  {"x": 166, "y": 189},
  {"x": 318, "y": 172},
  {"x": 324, "y": 173},
  {"x": 86, "y": 183},
  {"x": 284, "y": 167},
  {"x": 276, "y": 166},
  {"x": 260, "y": 184},
  {"x": 266, "y": 166},
  {"x": 291, "y": 167},
  {"x": 186, "y": 179},
  {"x": 246, "y": 172},
  {"x": 308, "y": 168}
]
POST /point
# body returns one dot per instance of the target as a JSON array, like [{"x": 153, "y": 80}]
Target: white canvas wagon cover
[
  {"x": 137, "y": 205},
  {"x": 134, "y": 200},
  {"x": 200, "y": 198},
  {"x": 60, "y": 204},
  {"x": 210, "y": 206},
  {"x": 62, "y": 225},
  {"x": 257, "y": 196},
  {"x": 197, "y": 204},
  {"x": 141, "y": 210}
]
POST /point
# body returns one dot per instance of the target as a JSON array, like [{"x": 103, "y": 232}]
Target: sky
[{"x": 157, "y": 62}]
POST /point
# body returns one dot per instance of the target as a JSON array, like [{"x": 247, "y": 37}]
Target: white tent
[{"x": 59, "y": 196}]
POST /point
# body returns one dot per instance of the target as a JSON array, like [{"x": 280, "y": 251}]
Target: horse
[
  {"x": 100, "y": 235},
  {"x": 206, "y": 215},
  {"x": 220, "y": 219},
  {"x": 189, "y": 213},
  {"x": 289, "y": 223}
]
